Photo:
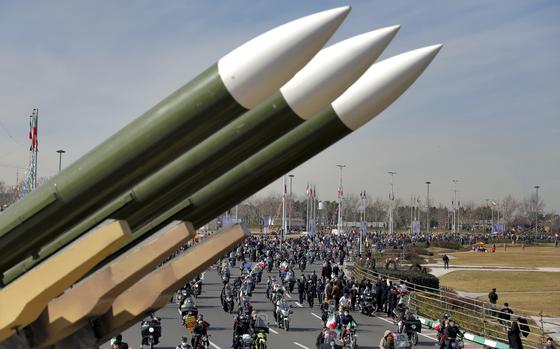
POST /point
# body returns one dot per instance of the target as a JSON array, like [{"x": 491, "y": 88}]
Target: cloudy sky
[{"x": 486, "y": 112}]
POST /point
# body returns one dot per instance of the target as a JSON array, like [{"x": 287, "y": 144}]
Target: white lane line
[
  {"x": 317, "y": 316},
  {"x": 298, "y": 304},
  {"x": 272, "y": 330},
  {"x": 391, "y": 322},
  {"x": 289, "y": 295},
  {"x": 301, "y": 345},
  {"x": 214, "y": 345}
]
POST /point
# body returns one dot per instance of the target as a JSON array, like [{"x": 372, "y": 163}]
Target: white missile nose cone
[
  {"x": 333, "y": 70},
  {"x": 258, "y": 68},
  {"x": 381, "y": 85}
]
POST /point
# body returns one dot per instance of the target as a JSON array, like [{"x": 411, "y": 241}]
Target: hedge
[{"x": 412, "y": 276}]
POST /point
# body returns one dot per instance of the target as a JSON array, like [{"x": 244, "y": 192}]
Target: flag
[
  {"x": 308, "y": 190},
  {"x": 331, "y": 322},
  {"x": 494, "y": 204},
  {"x": 339, "y": 192},
  {"x": 284, "y": 266},
  {"x": 33, "y": 136}
]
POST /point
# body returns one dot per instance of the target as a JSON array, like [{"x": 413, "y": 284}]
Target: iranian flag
[
  {"x": 331, "y": 322},
  {"x": 284, "y": 266}
]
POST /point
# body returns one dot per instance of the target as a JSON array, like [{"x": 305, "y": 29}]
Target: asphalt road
[{"x": 304, "y": 326}]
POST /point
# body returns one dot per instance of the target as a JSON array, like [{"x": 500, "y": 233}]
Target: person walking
[
  {"x": 445, "y": 261},
  {"x": 514, "y": 337},
  {"x": 549, "y": 344}
]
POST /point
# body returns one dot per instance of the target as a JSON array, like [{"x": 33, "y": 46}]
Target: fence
[{"x": 472, "y": 315}]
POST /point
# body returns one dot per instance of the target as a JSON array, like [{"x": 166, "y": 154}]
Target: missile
[
  {"x": 237, "y": 82},
  {"x": 323, "y": 79},
  {"x": 380, "y": 85}
]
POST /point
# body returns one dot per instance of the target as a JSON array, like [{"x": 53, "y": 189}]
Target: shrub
[
  {"x": 452, "y": 245},
  {"x": 413, "y": 276}
]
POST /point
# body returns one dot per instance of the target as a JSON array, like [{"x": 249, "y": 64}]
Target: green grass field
[{"x": 512, "y": 256}]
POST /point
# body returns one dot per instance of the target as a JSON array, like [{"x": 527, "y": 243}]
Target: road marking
[
  {"x": 391, "y": 322},
  {"x": 298, "y": 304},
  {"x": 301, "y": 345},
  {"x": 289, "y": 295},
  {"x": 273, "y": 331},
  {"x": 214, "y": 345},
  {"x": 317, "y": 316}
]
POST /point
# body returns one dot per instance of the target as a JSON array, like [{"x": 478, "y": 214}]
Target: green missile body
[
  {"x": 239, "y": 81},
  {"x": 382, "y": 84},
  {"x": 323, "y": 79}
]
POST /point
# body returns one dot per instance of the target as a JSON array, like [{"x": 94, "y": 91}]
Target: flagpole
[
  {"x": 284, "y": 223},
  {"x": 307, "y": 207}
]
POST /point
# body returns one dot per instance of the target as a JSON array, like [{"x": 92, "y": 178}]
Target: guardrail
[{"x": 472, "y": 315}]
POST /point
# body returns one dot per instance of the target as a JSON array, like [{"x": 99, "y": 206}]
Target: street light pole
[
  {"x": 290, "y": 203},
  {"x": 60, "y": 152},
  {"x": 340, "y": 196},
  {"x": 537, "y": 208},
  {"x": 428, "y": 207},
  {"x": 454, "y": 205},
  {"x": 392, "y": 201}
]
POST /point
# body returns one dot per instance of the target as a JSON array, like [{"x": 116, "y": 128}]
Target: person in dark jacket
[{"x": 514, "y": 337}]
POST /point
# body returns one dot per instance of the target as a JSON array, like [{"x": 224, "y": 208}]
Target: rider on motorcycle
[
  {"x": 450, "y": 335},
  {"x": 200, "y": 330},
  {"x": 184, "y": 344}
]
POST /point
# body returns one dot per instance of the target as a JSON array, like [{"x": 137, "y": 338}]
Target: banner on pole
[
  {"x": 363, "y": 228},
  {"x": 312, "y": 227},
  {"x": 415, "y": 227}
]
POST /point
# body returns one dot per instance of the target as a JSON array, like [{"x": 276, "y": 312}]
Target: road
[{"x": 304, "y": 326}]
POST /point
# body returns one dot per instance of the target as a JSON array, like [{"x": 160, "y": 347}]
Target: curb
[{"x": 469, "y": 336}]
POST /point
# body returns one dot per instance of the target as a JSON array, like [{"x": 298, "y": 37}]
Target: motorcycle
[
  {"x": 246, "y": 341},
  {"x": 350, "y": 338},
  {"x": 261, "y": 330},
  {"x": 228, "y": 302},
  {"x": 284, "y": 316},
  {"x": 201, "y": 341},
  {"x": 455, "y": 343},
  {"x": 302, "y": 265},
  {"x": 367, "y": 305},
  {"x": 197, "y": 288},
  {"x": 412, "y": 328},
  {"x": 151, "y": 332}
]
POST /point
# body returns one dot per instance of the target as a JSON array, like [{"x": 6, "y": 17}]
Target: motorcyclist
[
  {"x": 450, "y": 334},
  {"x": 387, "y": 342},
  {"x": 117, "y": 343},
  {"x": 240, "y": 327},
  {"x": 302, "y": 286},
  {"x": 343, "y": 320},
  {"x": 345, "y": 302},
  {"x": 184, "y": 344},
  {"x": 200, "y": 329},
  {"x": 310, "y": 292}
]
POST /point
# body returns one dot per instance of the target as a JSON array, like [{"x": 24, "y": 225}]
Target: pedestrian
[
  {"x": 549, "y": 344},
  {"x": 493, "y": 299},
  {"x": 505, "y": 315},
  {"x": 445, "y": 261},
  {"x": 514, "y": 337}
]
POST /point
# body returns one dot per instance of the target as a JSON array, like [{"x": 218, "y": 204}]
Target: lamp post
[
  {"x": 454, "y": 205},
  {"x": 428, "y": 207},
  {"x": 290, "y": 203},
  {"x": 392, "y": 201},
  {"x": 537, "y": 208},
  {"x": 340, "y": 196},
  {"x": 60, "y": 152}
]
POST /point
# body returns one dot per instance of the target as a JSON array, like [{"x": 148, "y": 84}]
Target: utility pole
[
  {"x": 391, "y": 203},
  {"x": 537, "y": 208},
  {"x": 340, "y": 194},
  {"x": 428, "y": 207}
]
